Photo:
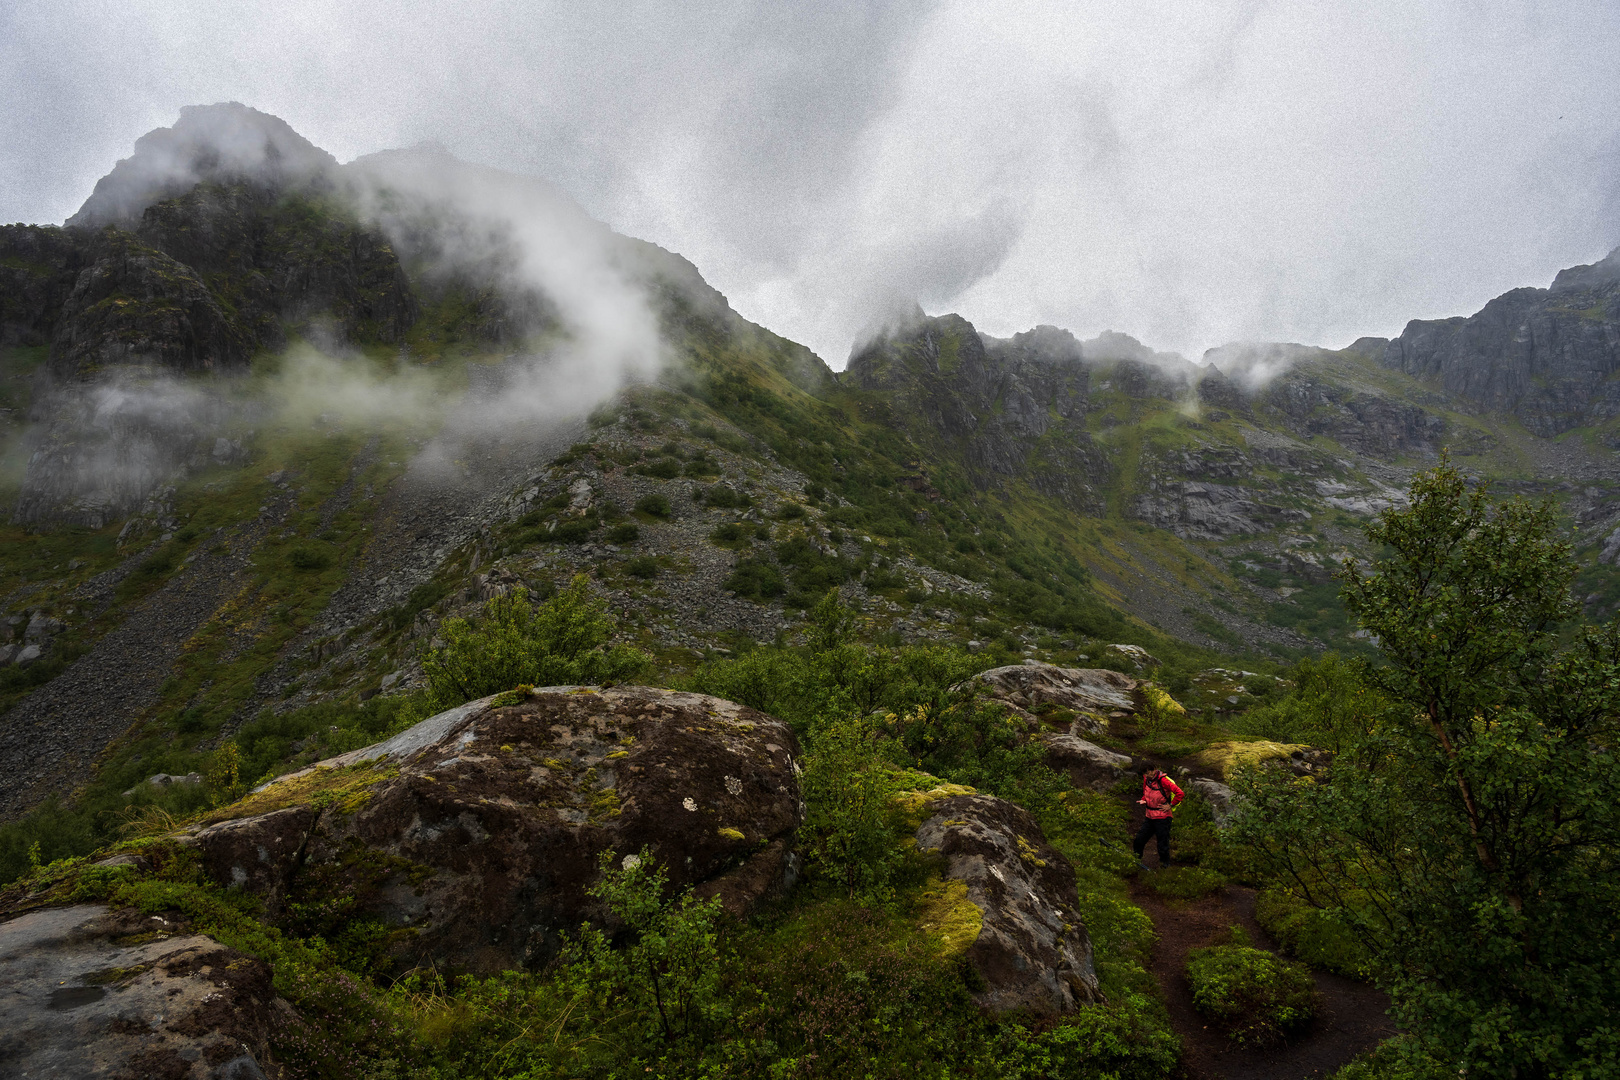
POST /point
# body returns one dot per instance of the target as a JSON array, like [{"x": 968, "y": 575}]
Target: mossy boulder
[
  {"x": 472, "y": 837},
  {"x": 1030, "y": 948},
  {"x": 1223, "y": 759}
]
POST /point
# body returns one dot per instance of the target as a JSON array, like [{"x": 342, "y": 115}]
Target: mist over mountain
[{"x": 280, "y": 435}]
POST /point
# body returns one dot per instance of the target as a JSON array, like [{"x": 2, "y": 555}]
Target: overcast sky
[{"x": 1190, "y": 173}]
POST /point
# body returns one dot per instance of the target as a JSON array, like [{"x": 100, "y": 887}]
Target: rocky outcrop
[
  {"x": 1091, "y": 694},
  {"x": 1545, "y": 356},
  {"x": 476, "y": 833},
  {"x": 209, "y": 143},
  {"x": 85, "y": 991},
  {"x": 1032, "y": 950},
  {"x": 1198, "y": 511}
]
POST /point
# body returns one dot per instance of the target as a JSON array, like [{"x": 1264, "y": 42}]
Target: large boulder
[
  {"x": 1085, "y": 763},
  {"x": 1032, "y": 951},
  {"x": 476, "y": 833},
  {"x": 1091, "y": 694},
  {"x": 85, "y": 991}
]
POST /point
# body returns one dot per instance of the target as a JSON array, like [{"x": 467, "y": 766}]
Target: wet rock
[
  {"x": 85, "y": 991},
  {"x": 1217, "y": 794},
  {"x": 1086, "y": 763},
  {"x": 1032, "y": 950},
  {"x": 1091, "y": 693},
  {"x": 477, "y": 831}
]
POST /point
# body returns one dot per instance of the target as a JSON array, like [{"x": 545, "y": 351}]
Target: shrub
[
  {"x": 623, "y": 534},
  {"x": 789, "y": 511},
  {"x": 1310, "y": 934},
  {"x": 667, "y": 468},
  {"x": 733, "y": 534},
  {"x": 572, "y": 531},
  {"x": 655, "y": 505},
  {"x": 667, "y": 979},
  {"x": 722, "y": 497},
  {"x": 1256, "y": 996},
  {"x": 309, "y": 556},
  {"x": 755, "y": 579},
  {"x": 564, "y": 641},
  {"x": 644, "y": 567}
]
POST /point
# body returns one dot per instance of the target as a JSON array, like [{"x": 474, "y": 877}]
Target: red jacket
[{"x": 1158, "y": 807}]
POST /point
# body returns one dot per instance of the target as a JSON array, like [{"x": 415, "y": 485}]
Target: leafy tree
[
  {"x": 668, "y": 974},
  {"x": 562, "y": 642},
  {"x": 851, "y": 816},
  {"x": 1468, "y": 831}
]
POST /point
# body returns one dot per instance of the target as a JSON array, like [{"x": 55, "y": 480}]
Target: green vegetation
[
  {"x": 562, "y": 642},
  {"x": 1472, "y": 799},
  {"x": 1255, "y": 996}
]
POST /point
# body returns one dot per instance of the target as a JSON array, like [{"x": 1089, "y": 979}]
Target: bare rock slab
[
  {"x": 1091, "y": 693},
  {"x": 89, "y": 992},
  {"x": 476, "y": 833},
  {"x": 1032, "y": 950}
]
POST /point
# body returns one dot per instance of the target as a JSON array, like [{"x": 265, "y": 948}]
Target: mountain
[
  {"x": 1546, "y": 357},
  {"x": 271, "y": 419}
]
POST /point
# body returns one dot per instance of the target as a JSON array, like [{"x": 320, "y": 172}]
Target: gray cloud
[{"x": 1190, "y": 174}]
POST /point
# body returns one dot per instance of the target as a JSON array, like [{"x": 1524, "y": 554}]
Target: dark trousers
[{"x": 1154, "y": 829}]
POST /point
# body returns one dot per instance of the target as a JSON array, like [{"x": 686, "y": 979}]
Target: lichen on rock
[{"x": 1032, "y": 950}]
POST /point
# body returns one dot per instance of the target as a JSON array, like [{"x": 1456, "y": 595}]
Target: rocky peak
[
  {"x": 1545, "y": 356},
  {"x": 1605, "y": 271},
  {"x": 219, "y": 143}
]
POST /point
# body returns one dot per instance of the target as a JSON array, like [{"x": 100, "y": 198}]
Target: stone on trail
[
  {"x": 476, "y": 833},
  {"x": 1032, "y": 949}
]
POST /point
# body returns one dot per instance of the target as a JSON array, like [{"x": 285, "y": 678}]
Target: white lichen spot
[
  {"x": 734, "y": 785},
  {"x": 630, "y": 862},
  {"x": 689, "y": 803}
]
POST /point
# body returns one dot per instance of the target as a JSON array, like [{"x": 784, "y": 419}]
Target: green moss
[
  {"x": 344, "y": 790},
  {"x": 945, "y": 913}
]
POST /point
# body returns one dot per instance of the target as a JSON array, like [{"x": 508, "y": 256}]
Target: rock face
[
  {"x": 1090, "y": 693},
  {"x": 89, "y": 992},
  {"x": 1032, "y": 950},
  {"x": 1012, "y": 408},
  {"x": 1545, "y": 356},
  {"x": 476, "y": 833}
]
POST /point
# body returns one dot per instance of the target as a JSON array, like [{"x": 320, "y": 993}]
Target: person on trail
[{"x": 1160, "y": 795}]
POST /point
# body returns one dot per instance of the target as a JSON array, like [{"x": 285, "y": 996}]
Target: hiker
[{"x": 1160, "y": 795}]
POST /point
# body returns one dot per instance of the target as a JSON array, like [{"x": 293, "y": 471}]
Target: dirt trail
[{"x": 1352, "y": 1018}]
